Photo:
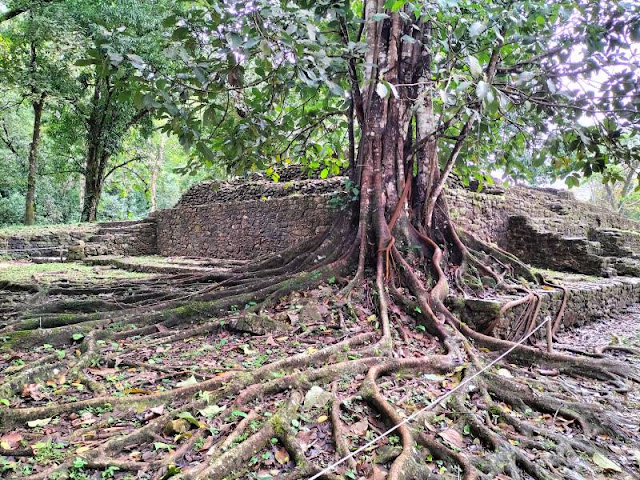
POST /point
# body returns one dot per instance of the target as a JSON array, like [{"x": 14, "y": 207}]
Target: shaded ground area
[{"x": 282, "y": 393}]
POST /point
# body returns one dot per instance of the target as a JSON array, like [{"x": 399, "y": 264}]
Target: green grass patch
[
  {"x": 31, "y": 230},
  {"x": 45, "y": 273}
]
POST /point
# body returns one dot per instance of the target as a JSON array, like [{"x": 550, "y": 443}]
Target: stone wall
[
  {"x": 80, "y": 241},
  {"x": 246, "y": 229},
  {"x": 243, "y": 219},
  {"x": 553, "y": 211},
  {"x": 43, "y": 242}
]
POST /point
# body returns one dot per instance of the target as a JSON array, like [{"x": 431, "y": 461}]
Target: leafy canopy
[{"x": 262, "y": 80}]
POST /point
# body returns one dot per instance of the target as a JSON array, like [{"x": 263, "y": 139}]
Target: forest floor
[{"x": 123, "y": 400}]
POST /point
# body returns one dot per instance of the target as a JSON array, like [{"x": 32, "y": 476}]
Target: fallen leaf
[
  {"x": 208, "y": 443},
  {"x": 306, "y": 438},
  {"x": 188, "y": 382},
  {"x": 157, "y": 410},
  {"x": 452, "y": 437},
  {"x": 137, "y": 391},
  {"x": 31, "y": 390},
  {"x": 503, "y": 372},
  {"x": 359, "y": 428},
  {"x": 377, "y": 474},
  {"x": 10, "y": 441},
  {"x": 316, "y": 397},
  {"x": 605, "y": 464},
  {"x": 41, "y": 422},
  {"x": 103, "y": 372},
  {"x": 322, "y": 418},
  {"x": 211, "y": 411},
  {"x": 281, "y": 456}
]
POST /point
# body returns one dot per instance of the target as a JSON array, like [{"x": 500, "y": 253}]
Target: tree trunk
[
  {"x": 390, "y": 147},
  {"x": 93, "y": 184},
  {"x": 96, "y": 158},
  {"x": 30, "y": 204},
  {"x": 155, "y": 169}
]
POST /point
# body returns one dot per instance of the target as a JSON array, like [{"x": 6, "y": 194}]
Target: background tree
[
  {"x": 91, "y": 120},
  {"x": 31, "y": 68}
]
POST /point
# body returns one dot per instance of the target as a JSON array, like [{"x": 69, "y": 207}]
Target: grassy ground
[
  {"x": 41, "y": 229},
  {"x": 22, "y": 272}
]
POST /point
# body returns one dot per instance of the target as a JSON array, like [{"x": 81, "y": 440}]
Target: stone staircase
[
  {"x": 603, "y": 252},
  {"x": 137, "y": 237},
  {"x": 46, "y": 246}
]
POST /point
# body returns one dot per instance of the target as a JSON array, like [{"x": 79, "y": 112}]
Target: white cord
[
  {"x": 431, "y": 405},
  {"x": 57, "y": 249}
]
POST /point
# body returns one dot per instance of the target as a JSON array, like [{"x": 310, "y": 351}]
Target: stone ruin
[{"x": 245, "y": 218}]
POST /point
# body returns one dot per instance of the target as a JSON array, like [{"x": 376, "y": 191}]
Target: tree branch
[
  {"x": 22, "y": 9},
  {"x": 6, "y": 139},
  {"x": 120, "y": 165}
]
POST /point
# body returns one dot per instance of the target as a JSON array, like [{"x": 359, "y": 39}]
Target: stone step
[
  {"x": 534, "y": 245},
  {"x": 589, "y": 300},
  {"x": 617, "y": 243},
  {"x": 139, "y": 228},
  {"x": 122, "y": 223},
  {"x": 626, "y": 266},
  {"x": 57, "y": 259},
  {"x": 121, "y": 237}
]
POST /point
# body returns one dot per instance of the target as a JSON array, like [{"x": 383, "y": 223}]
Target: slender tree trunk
[
  {"x": 30, "y": 204},
  {"x": 93, "y": 177},
  {"x": 38, "y": 100},
  {"x": 155, "y": 170},
  {"x": 94, "y": 183}
]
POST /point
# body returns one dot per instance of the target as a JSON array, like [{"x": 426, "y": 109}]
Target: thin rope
[
  {"x": 431, "y": 405},
  {"x": 57, "y": 249}
]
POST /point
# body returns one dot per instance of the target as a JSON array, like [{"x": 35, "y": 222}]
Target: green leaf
[
  {"x": 211, "y": 411},
  {"x": 474, "y": 66},
  {"x": 379, "y": 16},
  {"x": 605, "y": 464},
  {"x": 408, "y": 39},
  {"x": 477, "y": 28},
  {"x": 190, "y": 418},
  {"x": 85, "y": 62},
  {"x": 324, "y": 173},
  {"x": 382, "y": 90},
  {"x": 188, "y": 382},
  {"x": 396, "y": 5},
  {"x": 162, "y": 446},
  {"x": 77, "y": 336}
]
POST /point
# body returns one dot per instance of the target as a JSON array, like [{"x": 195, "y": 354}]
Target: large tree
[
  {"x": 110, "y": 110},
  {"x": 31, "y": 70}
]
